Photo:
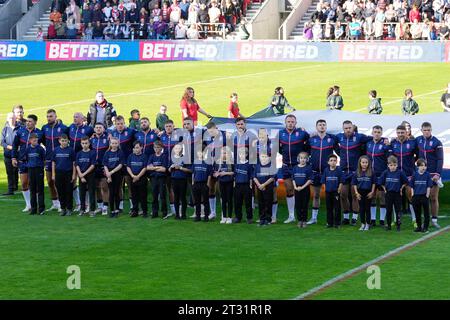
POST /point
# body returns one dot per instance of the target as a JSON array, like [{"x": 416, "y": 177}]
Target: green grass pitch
[{"x": 154, "y": 259}]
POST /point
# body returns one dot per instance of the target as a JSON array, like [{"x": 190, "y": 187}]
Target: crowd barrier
[{"x": 270, "y": 50}]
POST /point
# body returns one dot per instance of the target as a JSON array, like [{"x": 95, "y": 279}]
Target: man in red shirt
[{"x": 189, "y": 106}]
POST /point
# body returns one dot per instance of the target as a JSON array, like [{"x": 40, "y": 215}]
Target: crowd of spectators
[
  {"x": 144, "y": 19},
  {"x": 379, "y": 20}
]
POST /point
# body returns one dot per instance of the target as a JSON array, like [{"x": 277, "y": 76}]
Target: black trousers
[
  {"x": 88, "y": 187},
  {"x": 139, "y": 191},
  {"x": 114, "y": 190},
  {"x": 226, "y": 195},
  {"x": 265, "y": 200},
  {"x": 64, "y": 187},
  {"x": 243, "y": 194},
  {"x": 159, "y": 194},
  {"x": 36, "y": 183},
  {"x": 364, "y": 206},
  {"x": 179, "y": 187},
  {"x": 200, "y": 192},
  {"x": 393, "y": 201},
  {"x": 422, "y": 202},
  {"x": 333, "y": 203},
  {"x": 12, "y": 174},
  {"x": 301, "y": 204}
]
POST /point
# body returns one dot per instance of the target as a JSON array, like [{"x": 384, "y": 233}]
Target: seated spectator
[
  {"x": 192, "y": 32},
  {"x": 427, "y": 9},
  {"x": 97, "y": 31},
  {"x": 416, "y": 30},
  {"x": 108, "y": 32},
  {"x": 60, "y": 28},
  {"x": 142, "y": 29},
  {"x": 88, "y": 32},
  {"x": 71, "y": 28},
  {"x": 127, "y": 31},
  {"x": 180, "y": 30},
  {"x": 161, "y": 29},
  {"x": 51, "y": 31}
]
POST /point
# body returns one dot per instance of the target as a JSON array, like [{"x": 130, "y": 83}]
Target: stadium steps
[
  {"x": 297, "y": 33},
  {"x": 251, "y": 12},
  {"x": 43, "y": 22}
]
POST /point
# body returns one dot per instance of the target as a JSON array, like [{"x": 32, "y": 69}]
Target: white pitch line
[
  {"x": 400, "y": 100},
  {"x": 3, "y": 75},
  {"x": 173, "y": 86},
  {"x": 364, "y": 266}
]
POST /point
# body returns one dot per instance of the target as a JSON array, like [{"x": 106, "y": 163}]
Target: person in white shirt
[
  {"x": 180, "y": 30},
  {"x": 192, "y": 32},
  {"x": 214, "y": 14}
]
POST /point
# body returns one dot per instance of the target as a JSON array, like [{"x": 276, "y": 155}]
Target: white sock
[
  {"x": 121, "y": 205},
  {"x": 315, "y": 213},
  {"x": 382, "y": 213},
  {"x": 274, "y": 210},
  {"x": 212, "y": 205},
  {"x": 99, "y": 205},
  {"x": 131, "y": 204},
  {"x": 413, "y": 213},
  {"x": 253, "y": 203},
  {"x": 346, "y": 216},
  {"x": 76, "y": 196},
  {"x": 26, "y": 197},
  {"x": 104, "y": 207},
  {"x": 355, "y": 216},
  {"x": 56, "y": 203},
  {"x": 291, "y": 206},
  {"x": 172, "y": 208},
  {"x": 373, "y": 213}
]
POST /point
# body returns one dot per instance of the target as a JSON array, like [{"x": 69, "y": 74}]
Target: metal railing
[
  {"x": 18, "y": 30},
  {"x": 292, "y": 20}
]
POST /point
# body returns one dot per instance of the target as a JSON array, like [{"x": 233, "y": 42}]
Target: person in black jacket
[
  {"x": 8, "y": 134},
  {"x": 101, "y": 111}
]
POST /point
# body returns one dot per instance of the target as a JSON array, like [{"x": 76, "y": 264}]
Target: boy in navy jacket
[
  {"x": 34, "y": 158},
  {"x": 137, "y": 168},
  {"x": 264, "y": 177},
  {"x": 393, "y": 181},
  {"x": 421, "y": 185},
  {"x": 157, "y": 167},
  {"x": 63, "y": 173},
  {"x": 243, "y": 172},
  {"x": 332, "y": 179},
  {"x": 85, "y": 167},
  {"x": 201, "y": 176}
]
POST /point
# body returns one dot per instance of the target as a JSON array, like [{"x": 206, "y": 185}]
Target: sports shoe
[
  {"x": 197, "y": 219},
  {"x": 236, "y": 220},
  {"x": 193, "y": 216},
  {"x": 362, "y": 227},
  {"x": 27, "y": 209},
  {"x": 68, "y": 212},
  {"x": 53, "y": 207},
  {"x": 373, "y": 223},
  {"x": 229, "y": 221},
  {"x": 223, "y": 220},
  {"x": 273, "y": 221},
  {"x": 202, "y": 215},
  {"x": 345, "y": 222},
  {"x": 62, "y": 213},
  {"x": 353, "y": 223},
  {"x": 92, "y": 214},
  {"x": 300, "y": 224},
  {"x": 77, "y": 208},
  {"x": 212, "y": 216},
  {"x": 367, "y": 227},
  {"x": 170, "y": 214},
  {"x": 312, "y": 221},
  {"x": 425, "y": 231},
  {"x": 104, "y": 212},
  {"x": 398, "y": 227},
  {"x": 418, "y": 230},
  {"x": 289, "y": 220},
  {"x": 415, "y": 225},
  {"x": 42, "y": 212},
  {"x": 382, "y": 223},
  {"x": 435, "y": 224},
  {"x": 98, "y": 210},
  {"x": 81, "y": 213},
  {"x": 87, "y": 210}
]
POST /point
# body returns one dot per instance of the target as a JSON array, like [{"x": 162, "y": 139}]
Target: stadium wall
[{"x": 274, "y": 50}]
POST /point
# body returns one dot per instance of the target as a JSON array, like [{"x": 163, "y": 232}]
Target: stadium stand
[
  {"x": 375, "y": 20},
  {"x": 143, "y": 19}
]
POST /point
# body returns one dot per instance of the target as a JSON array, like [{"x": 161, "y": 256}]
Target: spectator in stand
[
  {"x": 416, "y": 30},
  {"x": 115, "y": 13},
  {"x": 328, "y": 31},
  {"x": 379, "y": 24},
  {"x": 127, "y": 31},
  {"x": 87, "y": 14},
  {"x": 192, "y": 32},
  {"x": 184, "y": 7},
  {"x": 355, "y": 29},
  {"x": 193, "y": 12},
  {"x": 97, "y": 31},
  {"x": 60, "y": 28},
  {"x": 165, "y": 12},
  {"x": 51, "y": 31},
  {"x": 369, "y": 30},
  {"x": 237, "y": 11},
  {"x": 132, "y": 15},
  {"x": 445, "y": 99},
  {"x": 444, "y": 31},
  {"x": 229, "y": 15},
  {"x": 55, "y": 16},
  {"x": 317, "y": 31},
  {"x": 116, "y": 30},
  {"x": 143, "y": 14},
  {"x": 156, "y": 11},
  {"x": 438, "y": 8},
  {"x": 402, "y": 30},
  {"x": 107, "y": 10},
  {"x": 97, "y": 14},
  {"x": 414, "y": 14},
  {"x": 427, "y": 9},
  {"x": 214, "y": 15},
  {"x": 349, "y": 6},
  {"x": 108, "y": 31},
  {"x": 402, "y": 12},
  {"x": 307, "y": 31},
  {"x": 339, "y": 31},
  {"x": 391, "y": 18},
  {"x": 175, "y": 12},
  {"x": 88, "y": 32},
  {"x": 142, "y": 29},
  {"x": 180, "y": 30},
  {"x": 71, "y": 29},
  {"x": 203, "y": 18}
]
